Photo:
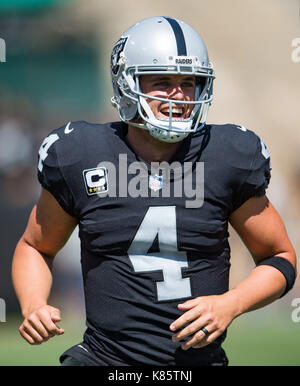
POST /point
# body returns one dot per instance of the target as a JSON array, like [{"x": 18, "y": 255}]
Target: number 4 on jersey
[
  {"x": 43, "y": 152},
  {"x": 161, "y": 221}
]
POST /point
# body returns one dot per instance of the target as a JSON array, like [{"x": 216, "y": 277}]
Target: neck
[{"x": 149, "y": 148}]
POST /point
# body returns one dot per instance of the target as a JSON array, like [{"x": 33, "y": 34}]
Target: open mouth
[{"x": 178, "y": 113}]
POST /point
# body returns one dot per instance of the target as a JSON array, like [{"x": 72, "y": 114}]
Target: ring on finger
[{"x": 204, "y": 330}]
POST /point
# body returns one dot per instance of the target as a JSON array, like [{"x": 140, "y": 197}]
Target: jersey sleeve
[
  {"x": 50, "y": 173},
  {"x": 258, "y": 176}
]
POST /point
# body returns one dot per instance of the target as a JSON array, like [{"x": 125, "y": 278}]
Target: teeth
[{"x": 174, "y": 111}]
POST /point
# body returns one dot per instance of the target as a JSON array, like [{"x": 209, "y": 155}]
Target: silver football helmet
[{"x": 160, "y": 45}]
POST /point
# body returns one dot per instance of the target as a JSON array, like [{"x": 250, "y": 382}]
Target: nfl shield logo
[{"x": 155, "y": 182}]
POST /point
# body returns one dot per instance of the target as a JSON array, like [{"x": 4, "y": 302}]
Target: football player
[{"x": 153, "y": 196}]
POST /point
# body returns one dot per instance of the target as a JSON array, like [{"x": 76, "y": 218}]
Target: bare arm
[
  {"x": 48, "y": 229},
  {"x": 263, "y": 232}
]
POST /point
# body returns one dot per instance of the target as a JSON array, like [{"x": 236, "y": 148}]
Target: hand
[
  {"x": 40, "y": 325},
  {"x": 215, "y": 313}
]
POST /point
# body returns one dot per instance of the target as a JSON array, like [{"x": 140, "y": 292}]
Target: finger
[
  {"x": 55, "y": 317},
  {"x": 189, "y": 304},
  {"x": 26, "y": 336},
  {"x": 209, "y": 339},
  {"x": 187, "y": 317},
  {"x": 29, "y": 330},
  {"x": 191, "y": 329},
  {"x": 50, "y": 325},
  {"x": 196, "y": 339},
  {"x": 58, "y": 330},
  {"x": 38, "y": 326}
]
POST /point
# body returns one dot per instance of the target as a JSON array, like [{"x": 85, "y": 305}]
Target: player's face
[{"x": 177, "y": 87}]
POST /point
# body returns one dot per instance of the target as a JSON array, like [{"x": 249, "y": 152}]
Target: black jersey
[{"x": 151, "y": 237}]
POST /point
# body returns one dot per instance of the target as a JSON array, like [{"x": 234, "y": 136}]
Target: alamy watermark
[
  {"x": 137, "y": 179},
  {"x": 295, "y": 56},
  {"x": 296, "y": 50},
  {"x": 2, "y": 310},
  {"x": 2, "y": 50},
  {"x": 296, "y": 311}
]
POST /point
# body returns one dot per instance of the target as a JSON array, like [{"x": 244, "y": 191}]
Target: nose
[{"x": 176, "y": 92}]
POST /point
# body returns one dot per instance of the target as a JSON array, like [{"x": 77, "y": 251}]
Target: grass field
[{"x": 260, "y": 338}]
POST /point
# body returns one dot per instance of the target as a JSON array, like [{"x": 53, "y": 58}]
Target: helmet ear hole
[
  {"x": 137, "y": 116},
  {"x": 201, "y": 83}
]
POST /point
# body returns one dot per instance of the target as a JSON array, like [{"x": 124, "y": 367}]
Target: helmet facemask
[{"x": 133, "y": 105}]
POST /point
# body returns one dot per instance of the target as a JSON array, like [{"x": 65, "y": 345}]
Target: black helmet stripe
[{"x": 181, "y": 46}]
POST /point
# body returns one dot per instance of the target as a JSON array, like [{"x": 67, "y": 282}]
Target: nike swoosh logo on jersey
[
  {"x": 67, "y": 130},
  {"x": 79, "y": 345}
]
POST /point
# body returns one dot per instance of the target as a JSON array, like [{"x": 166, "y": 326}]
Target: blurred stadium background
[{"x": 57, "y": 70}]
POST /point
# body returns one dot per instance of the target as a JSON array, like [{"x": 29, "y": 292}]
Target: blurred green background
[
  {"x": 256, "y": 339},
  {"x": 57, "y": 70}
]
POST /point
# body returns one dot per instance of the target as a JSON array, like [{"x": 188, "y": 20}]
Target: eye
[
  {"x": 163, "y": 83},
  {"x": 188, "y": 84}
]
